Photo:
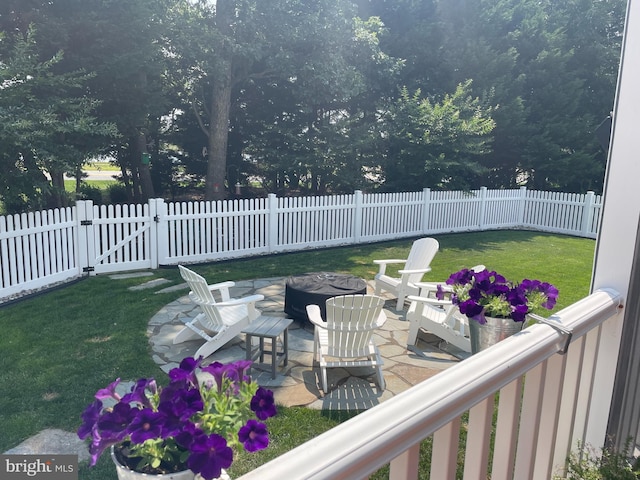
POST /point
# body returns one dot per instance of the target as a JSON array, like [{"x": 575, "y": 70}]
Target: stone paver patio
[{"x": 297, "y": 383}]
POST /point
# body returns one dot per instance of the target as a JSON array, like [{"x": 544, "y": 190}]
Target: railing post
[
  {"x": 159, "y": 230},
  {"x": 272, "y": 235},
  {"x": 522, "y": 206},
  {"x": 357, "y": 217},
  {"x": 426, "y": 205},
  {"x": 587, "y": 214},
  {"x": 483, "y": 207}
]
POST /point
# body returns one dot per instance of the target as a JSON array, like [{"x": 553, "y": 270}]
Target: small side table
[{"x": 268, "y": 327}]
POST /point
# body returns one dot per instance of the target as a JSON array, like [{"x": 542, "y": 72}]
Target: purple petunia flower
[
  {"x": 517, "y": 296},
  {"x": 146, "y": 424},
  {"x": 263, "y": 404},
  {"x": 519, "y": 313},
  {"x": 114, "y": 424},
  {"x": 109, "y": 392},
  {"x": 219, "y": 371},
  {"x": 98, "y": 445},
  {"x": 254, "y": 436},
  {"x": 138, "y": 392},
  {"x": 472, "y": 309},
  {"x": 460, "y": 278},
  {"x": 209, "y": 455},
  {"x": 189, "y": 431},
  {"x": 240, "y": 367},
  {"x": 186, "y": 370},
  {"x": 90, "y": 417},
  {"x": 110, "y": 429},
  {"x": 551, "y": 293},
  {"x": 180, "y": 402}
]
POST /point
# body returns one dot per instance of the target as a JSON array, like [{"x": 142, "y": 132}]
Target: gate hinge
[
  {"x": 88, "y": 269},
  {"x": 568, "y": 333},
  {"x": 86, "y": 222}
]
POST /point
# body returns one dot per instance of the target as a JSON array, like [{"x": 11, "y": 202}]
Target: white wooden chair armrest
[
  {"x": 382, "y": 318},
  {"x": 383, "y": 263},
  {"x": 315, "y": 316},
  {"x": 223, "y": 288},
  {"x": 390, "y": 260},
  {"x": 430, "y": 301},
  {"x": 416, "y": 270},
  {"x": 240, "y": 301},
  {"x": 221, "y": 285},
  {"x": 427, "y": 288}
]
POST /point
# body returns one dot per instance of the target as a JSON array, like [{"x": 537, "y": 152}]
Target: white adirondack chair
[
  {"x": 219, "y": 322},
  {"x": 440, "y": 317},
  {"x": 345, "y": 340},
  {"x": 415, "y": 266}
]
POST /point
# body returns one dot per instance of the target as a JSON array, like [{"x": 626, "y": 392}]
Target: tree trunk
[
  {"x": 220, "y": 104},
  {"x": 58, "y": 196},
  {"x": 144, "y": 171},
  {"x": 218, "y": 138}
]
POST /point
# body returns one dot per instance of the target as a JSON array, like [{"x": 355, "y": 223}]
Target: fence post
[
  {"x": 272, "y": 226},
  {"x": 357, "y": 217},
  {"x": 522, "y": 205},
  {"x": 587, "y": 214},
  {"x": 483, "y": 207},
  {"x": 426, "y": 204},
  {"x": 84, "y": 227},
  {"x": 159, "y": 232}
]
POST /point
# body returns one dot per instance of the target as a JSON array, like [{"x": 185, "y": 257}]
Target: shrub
[
  {"x": 89, "y": 192},
  {"x": 587, "y": 464},
  {"x": 117, "y": 193}
]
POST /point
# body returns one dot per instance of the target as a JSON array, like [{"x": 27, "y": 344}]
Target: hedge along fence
[{"x": 39, "y": 249}]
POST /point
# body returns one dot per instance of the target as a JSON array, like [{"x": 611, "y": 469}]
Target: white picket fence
[{"x": 39, "y": 249}]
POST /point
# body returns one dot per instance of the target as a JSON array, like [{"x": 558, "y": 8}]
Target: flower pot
[
  {"x": 496, "y": 329},
  {"x": 125, "y": 473}
]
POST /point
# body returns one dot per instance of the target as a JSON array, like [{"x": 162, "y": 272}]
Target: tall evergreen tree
[{"x": 47, "y": 126}]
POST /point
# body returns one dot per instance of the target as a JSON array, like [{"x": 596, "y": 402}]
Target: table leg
[
  {"x": 248, "y": 350},
  {"x": 285, "y": 346},
  {"x": 261, "y": 349},
  {"x": 274, "y": 355}
]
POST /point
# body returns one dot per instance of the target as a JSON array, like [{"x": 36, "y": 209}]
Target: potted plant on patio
[
  {"x": 190, "y": 427},
  {"x": 496, "y": 307}
]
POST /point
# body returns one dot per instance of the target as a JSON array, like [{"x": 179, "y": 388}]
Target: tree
[
  {"x": 288, "y": 68},
  {"x": 549, "y": 66},
  {"x": 436, "y": 143},
  {"x": 47, "y": 126},
  {"x": 116, "y": 43},
  {"x": 539, "y": 59},
  {"x": 317, "y": 133},
  {"x": 120, "y": 41}
]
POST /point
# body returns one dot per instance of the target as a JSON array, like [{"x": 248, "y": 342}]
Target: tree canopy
[{"x": 304, "y": 96}]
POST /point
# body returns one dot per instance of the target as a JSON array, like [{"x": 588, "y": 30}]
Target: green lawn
[{"x": 58, "y": 348}]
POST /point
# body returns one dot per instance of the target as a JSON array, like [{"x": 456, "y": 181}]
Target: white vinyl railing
[
  {"x": 526, "y": 406},
  {"x": 39, "y": 249}
]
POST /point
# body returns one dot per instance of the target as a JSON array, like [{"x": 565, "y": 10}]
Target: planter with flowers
[
  {"x": 188, "y": 429},
  {"x": 496, "y": 307}
]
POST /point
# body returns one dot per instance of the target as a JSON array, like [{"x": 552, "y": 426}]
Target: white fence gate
[
  {"x": 117, "y": 237},
  {"x": 43, "y": 248}
]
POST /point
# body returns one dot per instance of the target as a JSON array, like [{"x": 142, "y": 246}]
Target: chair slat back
[
  {"x": 420, "y": 256},
  {"x": 201, "y": 295},
  {"x": 351, "y": 320}
]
